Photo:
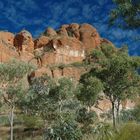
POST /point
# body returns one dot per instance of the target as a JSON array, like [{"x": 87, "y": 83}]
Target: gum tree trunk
[
  {"x": 11, "y": 122},
  {"x": 113, "y": 115}
]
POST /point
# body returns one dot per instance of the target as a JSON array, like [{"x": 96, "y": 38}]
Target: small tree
[
  {"x": 10, "y": 84},
  {"x": 89, "y": 90},
  {"x": 118, "y": 75},
  {"x": 66, "y": 130},
  {"x": 37, "y": 101},
  {"x": 63, "y": 91},
  {"x": 86, "y": 120},
  {"x": 50, "y": 99}
]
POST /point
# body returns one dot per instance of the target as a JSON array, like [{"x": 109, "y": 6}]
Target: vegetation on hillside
[{"x": 62, "y": 109}]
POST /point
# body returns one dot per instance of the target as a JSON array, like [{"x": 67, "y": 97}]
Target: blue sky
[{"x": 37, "y": 15}]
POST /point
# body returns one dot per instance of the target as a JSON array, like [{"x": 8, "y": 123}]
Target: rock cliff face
[
  {"x": 7, "y": 49},
  {"x": 69, "y": 44},
  {"x": 55, "y": 51}
]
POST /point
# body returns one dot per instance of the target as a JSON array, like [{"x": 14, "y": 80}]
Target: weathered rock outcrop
[
  {"x": 85, "y": 33},
  {"x": 68, "y": 44},
  {"x": 41, "y": 42},
  {"x": 55, "y": 51},
  {"x": 63, "y": 50},
  {"x": 7, "y": 50},
  {"x": 50, "y": 32},
  {"x": 23, "y": 42}
]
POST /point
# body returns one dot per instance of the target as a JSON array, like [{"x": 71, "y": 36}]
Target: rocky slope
[{"x": 69, "y": 44}]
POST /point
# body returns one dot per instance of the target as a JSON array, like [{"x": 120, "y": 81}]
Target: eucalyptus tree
[
  {"x": 53, "y": 101},
  {"x": 37, "y": 101},
  {"x": 119, "y": 76},
  {"x": 126, "y": 14},
  {"x": 89, "y": 90},
  {"x": 11, "y": 76}
]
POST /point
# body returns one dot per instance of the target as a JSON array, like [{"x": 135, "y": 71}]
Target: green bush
[
  {"x": 4, "y": 120},
  {"x": 131, "y": 114},
  {"x": 64, "y": 130},
  {"x": 103, "y": 131},
  {"x": 136, "y": 113},
  {"x": 31, "y": 121},
  {"x": 126, "y": 115}
]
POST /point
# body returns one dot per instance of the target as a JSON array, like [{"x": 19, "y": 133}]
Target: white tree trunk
[{"x": 11, "y": 122}]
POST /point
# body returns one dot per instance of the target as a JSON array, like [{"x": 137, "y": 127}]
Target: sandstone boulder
[
  {"x": 23, "y": 41},
  {"x": 63, "y": 50},
  {"x": 89, "y": 36},
  {"x": 6, "y": 38},
  {"x": 41, "y": 42},
  {"x": 7, "y": 50},
  {"x": 50, "y": 32},
  {"x": 85, "y": 33}
]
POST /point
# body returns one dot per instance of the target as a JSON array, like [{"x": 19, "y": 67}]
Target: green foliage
[
  {"x": 63, "y": 90},
  {"x": 11, "y": 86},
  {"x": 119, "y": 75},
  {"x": 126, "y": 13},
  {"x": 61, "y": 66},
  {"x": 37, "y": 101},
  {"x": 131, "y": 114},
  {"x": 126, "y": 115},
  {"x": 85, "y": 117},
  {"x": 67, "y": 130},
  {"x": 89, "y": 90},
  {"x": 49, "y": 99},
  {"x": 136, "y": 113},
  {"x": 14, "y": 70},
  {"x": 31, "y": 121},
  {"x": 115, "y": 75},
  {"x": 12, "y": 73},
  {"x": 97, "y": 56},
  {"x": 77, "y": 64},
  {"x": 108, "y": 50},
  {"x": 41, "y": 85},
  {"x": 4, "y": 120},
  {"x": 103, "y": 131},
  {"x": 86, "y": 120}
]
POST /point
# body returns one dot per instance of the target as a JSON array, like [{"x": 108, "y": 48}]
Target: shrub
[
  {"x": 31, "y": 121},
  {"x": 126, "y": 115},
  {"x": 4, "y": 120},
  {"x": 67, "y": 130}
]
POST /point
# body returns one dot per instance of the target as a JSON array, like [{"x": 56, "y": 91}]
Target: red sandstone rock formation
[
  {"x": 51, "y": 51},
  {"x": 41, "y": 42},
  {"x": 68, "y": 44},
  {"x": 23, "y": 41},
  {"x": 7, "y": 50},
  {"x": 63, "y": 50},
  {"x": 85, "y": 33}
]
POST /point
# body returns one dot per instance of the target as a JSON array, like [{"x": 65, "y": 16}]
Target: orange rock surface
[{"x": 68, "y": 44}]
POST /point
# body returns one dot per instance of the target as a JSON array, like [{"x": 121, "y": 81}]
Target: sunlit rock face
[
  {"x": 85, "y": 33},
  {"x": 7, "y": 49},
  {"x": 68, "y": 44},
  {"x": 63, "y": 50},
  {"x": 23, "y": 42}
]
